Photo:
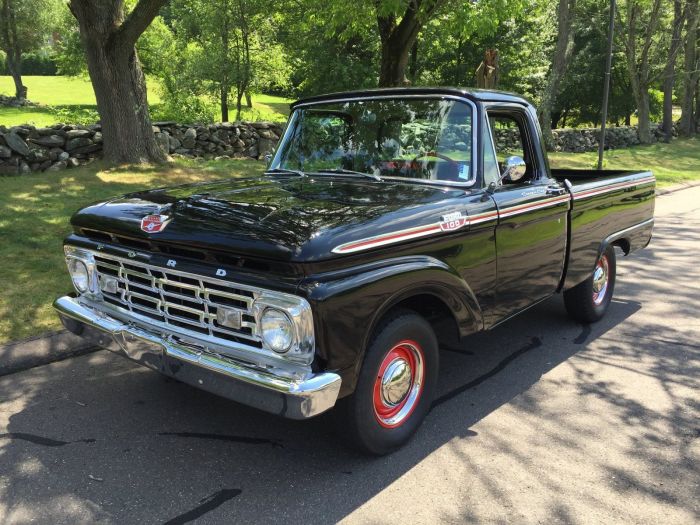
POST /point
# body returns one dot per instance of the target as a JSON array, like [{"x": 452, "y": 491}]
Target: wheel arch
[{"x": 350, "y": 303}]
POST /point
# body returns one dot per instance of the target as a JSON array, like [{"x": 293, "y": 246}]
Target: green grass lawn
[
  {"x": 34, "y": 218},
  {"x": 61, "y": 97},
  {"x": 35, "y": 212},
  {"x": 671, "y": 163}
]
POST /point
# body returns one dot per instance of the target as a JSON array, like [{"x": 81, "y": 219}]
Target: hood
[{"x": 285, "y": 218}]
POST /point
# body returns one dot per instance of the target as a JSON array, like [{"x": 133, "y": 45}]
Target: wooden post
[{"x": 487, "y": 72}]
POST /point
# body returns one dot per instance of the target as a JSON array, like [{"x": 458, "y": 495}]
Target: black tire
[
  {"x": 358, "y": 420},
  {"x": 582, "y": 302}
]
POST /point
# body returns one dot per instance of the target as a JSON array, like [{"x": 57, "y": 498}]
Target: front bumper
[{"x": 291, "y": 398}]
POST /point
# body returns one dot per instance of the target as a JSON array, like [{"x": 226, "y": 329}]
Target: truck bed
[
  {"x": 580, "y": 176},
  {"x": 608, "y": 206}
]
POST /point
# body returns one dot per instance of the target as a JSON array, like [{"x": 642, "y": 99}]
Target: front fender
[{"x": 348, "y": 303}]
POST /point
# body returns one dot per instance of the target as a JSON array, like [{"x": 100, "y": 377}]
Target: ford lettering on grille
[{"x": 187, "y": 303}]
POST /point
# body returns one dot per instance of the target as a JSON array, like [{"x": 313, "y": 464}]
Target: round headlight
[
  {"x": 79, "y": 274},
  {"x": 277, "y": 330}
]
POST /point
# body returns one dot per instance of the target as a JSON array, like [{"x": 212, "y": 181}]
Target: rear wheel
[
  {"x": 587, "y": 302},
  {"x": 395, "y": 388}
]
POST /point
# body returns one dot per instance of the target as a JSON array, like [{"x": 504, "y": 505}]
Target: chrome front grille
[{"x": 187, "y": 303}]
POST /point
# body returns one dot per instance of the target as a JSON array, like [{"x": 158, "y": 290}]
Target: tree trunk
[
  {"x": 413, "y": 64},
  {"x": 638, "y": 66},
  {"x": 643, "y": 126},
  {"x": 248, "y": 99},
  {"x": 224, "y": 102},
  {"x": 117, "y": 78},
  {"x": 245, "y": 76},
  {"x": 697, "y": 102},
  {"x": 397, "y": 39},
  {"x": 670, "y": 69},
  {"x": 395, "y": 55},
  {"x": 687, "y": 125},
  {"x": 560, "y": 60},
  {"x": 239, "y": 103},
  {"x": 12, "y": 48},
  {"x": 14, "y": 65}
]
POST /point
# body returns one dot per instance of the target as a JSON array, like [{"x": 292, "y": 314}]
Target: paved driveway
[{"x": 541, "y": 420}]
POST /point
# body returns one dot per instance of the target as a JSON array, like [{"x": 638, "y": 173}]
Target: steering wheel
[{"x": 436, "y": 155}]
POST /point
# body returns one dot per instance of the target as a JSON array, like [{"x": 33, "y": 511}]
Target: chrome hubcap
[
  {"x": 600, "y": 280},
  {"x": 396, "y": 382},
  {"x": 399, "y": 384}
]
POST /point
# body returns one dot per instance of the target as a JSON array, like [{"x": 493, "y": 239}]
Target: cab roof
[{"x": 476, "y": 95}]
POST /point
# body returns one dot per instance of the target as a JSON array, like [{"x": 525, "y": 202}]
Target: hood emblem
[
  {"x": 453, "y": 221},
  {"x": 154, "y": 223}
]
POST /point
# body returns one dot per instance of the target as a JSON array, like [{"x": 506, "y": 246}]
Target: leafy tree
[
  {"x": 642, "y": 26},
  {"x": 154, "y": 47},
  {"x": 398, "y": 24},
  {"x": 25, "y": 25},
  {"x": 679, "y": 14},
  {"x": 321, "y": 58},
  {"x": 224, "y": 46},
  {"x": 579, "y": 99},
  {"x": 691, "y": 93},
  {"x": 109, "y": 34},
  {"x": 447, "y": 58},
  {"x": 560, "y": 59}
]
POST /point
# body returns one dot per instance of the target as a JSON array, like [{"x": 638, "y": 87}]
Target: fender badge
[
  {"x": 154, "y": 223},
  {"x": 453, "y": 221}
]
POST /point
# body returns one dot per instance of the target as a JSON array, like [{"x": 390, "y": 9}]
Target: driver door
[{"x": 532, "y": 226}]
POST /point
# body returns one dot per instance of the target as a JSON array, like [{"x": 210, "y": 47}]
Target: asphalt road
[{"x": 542, "y": 420}]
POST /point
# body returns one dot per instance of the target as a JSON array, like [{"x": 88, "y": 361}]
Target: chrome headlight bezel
[
  {"x": 87, "y": 259},
  {"x": 298, "y": 312}
]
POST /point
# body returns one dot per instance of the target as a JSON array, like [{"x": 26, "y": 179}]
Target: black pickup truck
[{"x": 318, "y": 284}]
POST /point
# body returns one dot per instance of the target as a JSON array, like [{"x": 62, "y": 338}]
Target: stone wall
[
  {"x": 24, "y": 149},
  {"x": 582, "y": 139}
]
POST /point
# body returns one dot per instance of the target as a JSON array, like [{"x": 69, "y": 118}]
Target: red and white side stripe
[
  {"x": 432, "y": 229},
  {"x": 612, "y": 187},
  {"x": 522, "y": 208},
  {"x": 423, "y": 231}
]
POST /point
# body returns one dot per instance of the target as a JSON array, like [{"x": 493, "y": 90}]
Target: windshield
[{"x": 427, "y": 139}]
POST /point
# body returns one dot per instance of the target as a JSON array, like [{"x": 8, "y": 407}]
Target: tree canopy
[{"x": 213, "y": 55}]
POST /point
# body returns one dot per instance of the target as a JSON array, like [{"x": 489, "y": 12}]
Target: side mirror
[{"x": 514, "y": 170}]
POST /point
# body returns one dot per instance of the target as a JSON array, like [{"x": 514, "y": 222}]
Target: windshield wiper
[
  {"x": 342, "y": 171},
  {"x": 286, "y": 171}
]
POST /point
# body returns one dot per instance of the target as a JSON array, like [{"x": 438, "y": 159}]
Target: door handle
[{"x": 555, "y": 190}]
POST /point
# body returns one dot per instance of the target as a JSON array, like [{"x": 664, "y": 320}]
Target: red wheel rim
[
  {"x": 399, "y": 384},
  {"x": 600, "y": 280}
]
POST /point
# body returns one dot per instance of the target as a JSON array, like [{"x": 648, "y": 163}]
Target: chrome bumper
[{"x": 292, "y": 398}]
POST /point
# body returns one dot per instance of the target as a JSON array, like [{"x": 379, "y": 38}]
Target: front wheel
[
  {"x": 588, "y": 301},
  {"x": 395, "y": 388}
]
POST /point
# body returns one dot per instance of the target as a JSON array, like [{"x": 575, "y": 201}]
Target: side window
[
  {"x": 509, "y": 140},
  {"x": 491, "y": 170}
]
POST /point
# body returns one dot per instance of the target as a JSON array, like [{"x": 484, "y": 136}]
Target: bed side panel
[{"x": 608, "y": 208}]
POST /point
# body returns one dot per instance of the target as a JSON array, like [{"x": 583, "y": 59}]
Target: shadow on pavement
[{"x": 99, "y": 439}]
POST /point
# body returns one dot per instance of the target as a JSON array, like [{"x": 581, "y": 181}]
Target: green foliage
[
  {"x": 185, "y": 107},
  {"x": 35, "y": 63},
  {"x": 445, "y": 57},
  {"x": 154, "y": 46},
  {"x": 303, "y": 47},
  {"x": 223, "y": 48},
  {"x": 83, "y": 115},
  {"x": 34, "y": 20}
]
